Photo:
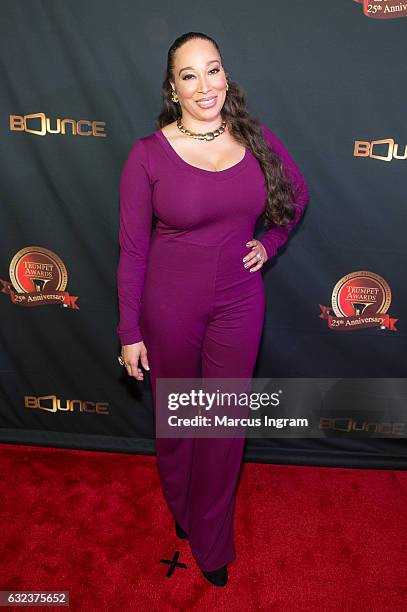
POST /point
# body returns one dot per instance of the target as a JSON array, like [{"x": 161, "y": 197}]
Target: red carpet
[{"x": 96, "y": 525}]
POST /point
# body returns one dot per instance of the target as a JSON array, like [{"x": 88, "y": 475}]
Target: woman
[{"x": 191, "y": 297}]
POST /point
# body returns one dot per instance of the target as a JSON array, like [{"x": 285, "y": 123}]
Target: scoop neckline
[{"x": 217, "y": 174}]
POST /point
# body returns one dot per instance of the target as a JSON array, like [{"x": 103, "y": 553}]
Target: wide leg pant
[{"x": 201, "y": 315}]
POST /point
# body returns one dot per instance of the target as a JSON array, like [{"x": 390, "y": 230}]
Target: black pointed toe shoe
[
  {"x": 218, "y": 577},
  {"x": 180, "y": 532}
]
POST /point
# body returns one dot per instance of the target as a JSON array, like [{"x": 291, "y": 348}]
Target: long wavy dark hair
[{"x": 246, "y": 129}]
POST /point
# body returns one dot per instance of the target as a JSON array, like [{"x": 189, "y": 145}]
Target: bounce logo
[
  {"x": 51, "y": 403},
  {"x": 359, "y": 299},
  {"x": 40, "y": 125},
  {"x": 388, "y": 152},
  {"x": 383, "y": 9},
  {"x": 38, "y": 277},
  {"x": 352, "y": 425}
]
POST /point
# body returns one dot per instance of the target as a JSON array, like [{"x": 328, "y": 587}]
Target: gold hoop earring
[
  {"x": 227, "y": 86},
  {"x": 174, "y": 96}
]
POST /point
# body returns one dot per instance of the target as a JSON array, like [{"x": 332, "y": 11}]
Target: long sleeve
[
  {"x": 134, "y": 238},
  {"x": 275, "y": 237}
]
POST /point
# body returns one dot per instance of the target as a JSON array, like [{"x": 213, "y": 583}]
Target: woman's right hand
[{"x": 131, "y": 354}]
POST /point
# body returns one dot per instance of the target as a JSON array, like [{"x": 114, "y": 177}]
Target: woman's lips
[{"x": 207, "y": 103}]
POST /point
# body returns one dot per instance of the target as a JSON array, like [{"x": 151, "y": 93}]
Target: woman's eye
[{"x": 188, "y": 75}]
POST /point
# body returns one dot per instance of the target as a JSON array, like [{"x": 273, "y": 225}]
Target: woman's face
[{"x": 198, "y": 74}]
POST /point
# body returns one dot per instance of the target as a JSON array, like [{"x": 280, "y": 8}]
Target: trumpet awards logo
[
  {"x": 359, "y": 299},
  {"x": 38, "y": 277},
  {"x": 40, "y": 125},
  {"x": 383, "y": 9}
]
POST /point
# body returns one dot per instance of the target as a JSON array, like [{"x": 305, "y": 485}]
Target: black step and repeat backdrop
[{"x": 81, "y": 81}]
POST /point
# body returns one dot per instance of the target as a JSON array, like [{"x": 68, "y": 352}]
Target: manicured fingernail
[{"x": 147, "y": 368}]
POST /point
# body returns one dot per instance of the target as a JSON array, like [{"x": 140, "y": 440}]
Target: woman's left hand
[{"x": 258, "y": 255}]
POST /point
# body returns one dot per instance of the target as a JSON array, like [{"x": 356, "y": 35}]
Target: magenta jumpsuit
[{"x": 185, "y": 293}]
